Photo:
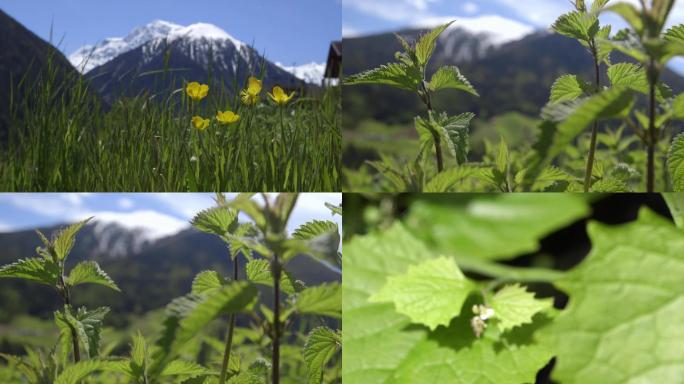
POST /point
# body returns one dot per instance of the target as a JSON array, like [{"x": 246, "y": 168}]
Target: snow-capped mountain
[
  {"x": 91, "y": 56},
  {"x": 169, "y": 55},
  {"x": 312, "y": 73}
]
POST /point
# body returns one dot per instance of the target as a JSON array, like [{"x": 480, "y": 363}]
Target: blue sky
[
  {"x": 289, "y": 31},
  {"x": 160, "y": 214}
]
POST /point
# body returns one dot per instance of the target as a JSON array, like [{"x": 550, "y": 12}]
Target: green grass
[{"x": 63, "y": 139}]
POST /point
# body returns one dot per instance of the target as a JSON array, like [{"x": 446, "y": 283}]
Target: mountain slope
[
  {"x": 159, "y": 57},
  {"x": 22, "y": 53},
  {"x": 149, "y": 273},
  {"x": 514, "y": 76}
]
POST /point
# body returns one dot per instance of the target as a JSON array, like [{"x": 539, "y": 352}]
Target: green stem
[
  {"x": 652, "y": 134},
  {"x": 275, "y": 360},
  {"x": 229, "y": 334},
  {"x": 508, "y": 273},
  {"x": 594, "y": 130},
  {"x": 74, "y": 335}
]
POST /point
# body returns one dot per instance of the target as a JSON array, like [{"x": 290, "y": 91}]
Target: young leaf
[
  {"x": 90, "y": 272},
  {"x": 206, "y": 281},
  {"x": 426, "y": 44},
  {"x": 431, "y": 293},
  {"x": 259, "y": 272},
  {"x": 568, "y": 88},
  {"x": 514, "y": 306},
  {"x": 43, "y": 271},
  {"x": 89, "y": 327},
  {"x": 450, "y": 78},
  {"x": 314, "y": 229},
  {"x": 321, "y": 345},
  {"x": 74, "y": 373},
  {"x": 257, "y": 373},
  {"x": 578, "y": 25},
  {"x": 243, "y": 202},
  {"x": 241, "y": 241},
  {"x": 217, "y": 220},
  {"x": 65, "y": 238},
  {"x": 324, "y": 299},
  {"x": 394, "y": 74},
  {"x": 383, "y": 347},
  {"x": 447, "y": 181},
  {"x": 625, "y": 301},
  {"x": 675, "y": 163}
]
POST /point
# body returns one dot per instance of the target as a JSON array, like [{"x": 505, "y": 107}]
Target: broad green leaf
[
  {"x": 43, "y": 270},
  {"x": 188, "y": 369},
  {"x": 381, "y": 346},
  {"x": 568, "y": 88},
  {"x": 241, "y": 240},
  {"x": 431, "y": 293},
  {"x": 65, "y": 238},
  {"x": 450, "y": 78},
  {"x": 139, "y": 353},
  {"x": 613, "y": 103},
  {"x": 426, "y": 44},
  {"x": 206, "y": 281},
  {"x": 675, "y": 33},
  {"x": 495, "y": 227},
  {"x": 625, "y": 306},
  {"x": 456, "y": 134},
  {"x": 393, "y": 74},
  {"x": 324, "y": 299},
  {"x": 449, "y": 180},
  {"x": 675, "y": 163},
  {"x": 259, "y": 272},
  {"x": 678, "y": 107},
  {"x": 314, "y": 229},
  {"x": 578, "y": 25},
  {"x": 514, "y": 306},
  {"x": 187, "y": 315},
  {"x": 321, "y": 345},
  {"x": 74, "y": 373},
  {"x": 90, "y": 272},
  {"x": 322, "y": 239},
  {"x": 217, "y": 220}
]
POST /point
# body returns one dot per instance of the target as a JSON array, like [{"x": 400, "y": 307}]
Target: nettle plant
[
  {"x": 409, "y": 73},
  {"x": 263, "y": 344},
  {"x": 576, "y": 104},
  {"x": 444, "y": 308}
]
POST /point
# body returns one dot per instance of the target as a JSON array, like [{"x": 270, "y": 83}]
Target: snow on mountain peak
[
  {"x": 312, "y": 72},
  {"x": 91, "y": 56}
]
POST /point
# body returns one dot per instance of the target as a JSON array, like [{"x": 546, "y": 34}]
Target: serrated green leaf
[
  {"x": 90, "y": 272},
  {"x": 188, "y": 369},
  {"x": 187, "y": 315},
  {"x": 139, "y": 353},
  {"x": 381, "y": 346},
  {"x": 65, "y": 238},
  {"x": 88, "y": 325},
  {"x": 206, "y": 281},
  {"x": 313, "y": 229},
  {"x": 427, "y": 42},
  {"x": 514, "y": 306},
  {"x": 568, "y": 88},
  {"x": 243, "y": 202},
  {"x": 74, "y": 373},
  {"x": 324, "y": 299},
  {"x": 578, "y": 25},
  {"x": 259, "y": 272},
  {"x": 39, "y": 270},
  {"x": 430, "y": 293},
  {"x": 450, "y": 78},
  {"x": 393, "y": 74},
  {"x": 322, "y": 239},
  {"x": 625, "y": 306},
  {"x": 335, "y": 209},
  {"x": 675, "y": 163},
  {"x": 257, "y": 373},
  {"x": 493, "y": 228},
  {"x": 449, "y": 180},
  {"x": 321, "y": 345},
  {"x": 217, "y": 220}
]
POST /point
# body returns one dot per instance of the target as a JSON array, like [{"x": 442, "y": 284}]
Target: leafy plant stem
[
  {"x": 275, "y": 359},
  {"x": 594, "y": 128},
  {"x": 435, "y": 135},
  {"x": 229, "y": 334},
  {"x": 66, "y": 296}
]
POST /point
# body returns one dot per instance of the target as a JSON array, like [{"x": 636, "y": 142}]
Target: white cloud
[
  {"x": 348, "y": 32},
  {"x": 500, "y": 29},
  {"x": 125, "y": 203}
]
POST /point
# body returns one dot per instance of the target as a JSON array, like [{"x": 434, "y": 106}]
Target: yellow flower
[
  {"x": 197, "y": 91},
  {"x": 279, "y": 96},
  {"x": 227, "y": 117},
  {"x": 250, "y": 95},
  {"x": 200, "y": 123}
]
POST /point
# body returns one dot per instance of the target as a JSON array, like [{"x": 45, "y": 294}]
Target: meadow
[{"x": 64, "y": 137}]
